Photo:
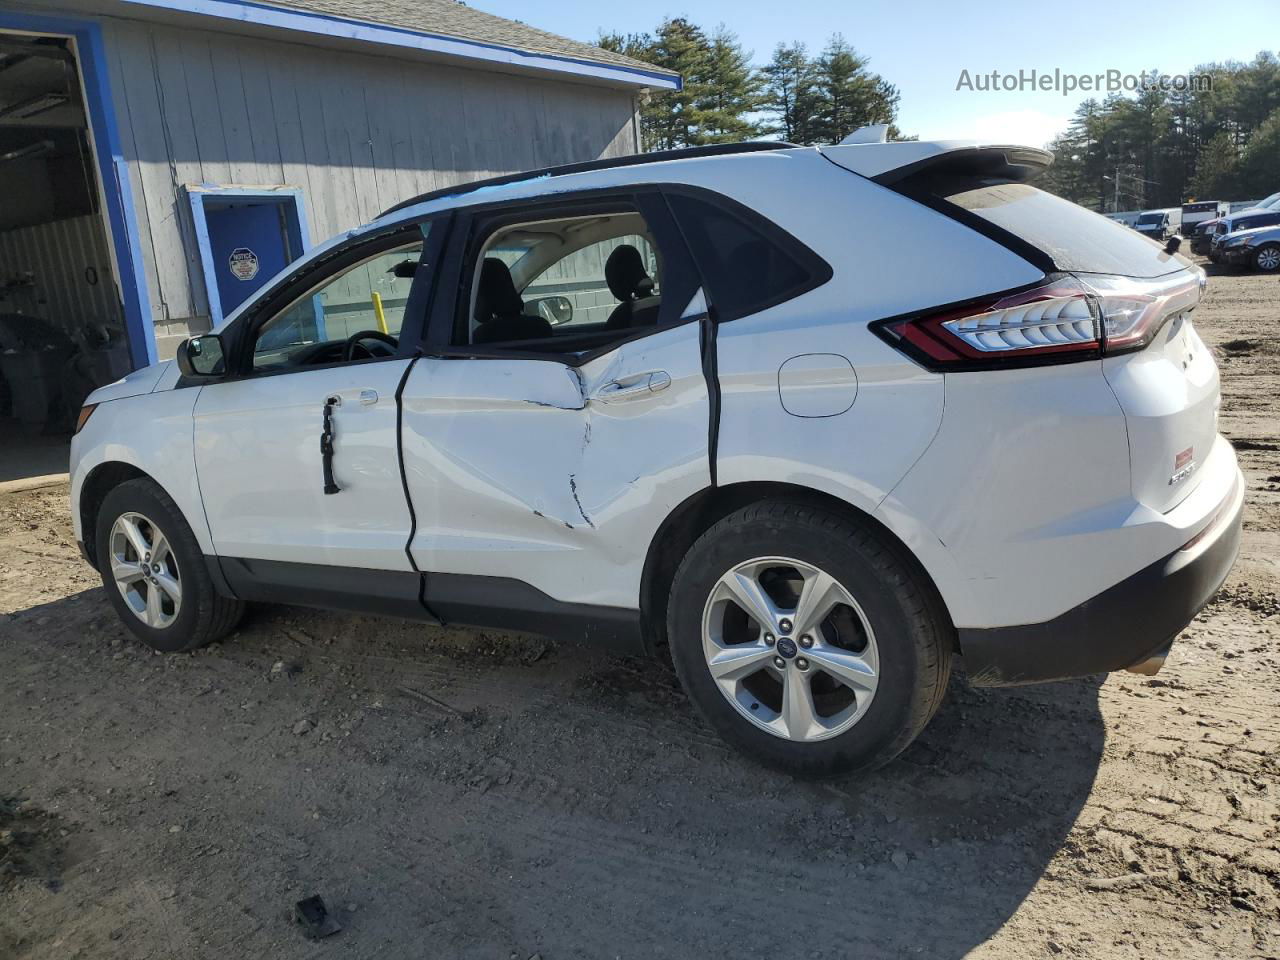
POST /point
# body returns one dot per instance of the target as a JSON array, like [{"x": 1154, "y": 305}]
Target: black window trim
[{"x": 478, "y": 223}]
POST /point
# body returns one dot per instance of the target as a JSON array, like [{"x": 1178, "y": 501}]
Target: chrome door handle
[
  {"x": 368, "y": 397},
  {"x": 635, "y": 385}
]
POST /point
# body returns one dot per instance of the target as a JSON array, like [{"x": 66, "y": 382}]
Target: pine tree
[
  {"x": 1260, "y": 164},
  {"x": 849, "y": 95},
  {"x": 731, "y": 92},
  {"x": 1217, "y": 168},
  {"x": 790, "y": 95}
]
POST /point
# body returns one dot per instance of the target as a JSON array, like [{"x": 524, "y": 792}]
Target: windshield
[
  {"x": 1151, "y": 218},
  {"x": 1271, "y": 201}
]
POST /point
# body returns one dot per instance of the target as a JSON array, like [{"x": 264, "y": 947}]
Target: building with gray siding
[{"x": 164, "y": 158}]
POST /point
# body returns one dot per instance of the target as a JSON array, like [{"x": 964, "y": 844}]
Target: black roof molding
[{"x": 636, "y": 159}]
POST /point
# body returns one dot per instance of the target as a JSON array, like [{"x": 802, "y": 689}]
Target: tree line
[
  {"x": 1163, "y": 148},
  {"x": 1214, "y": 141},
  {"x": 796, "y": 97}
]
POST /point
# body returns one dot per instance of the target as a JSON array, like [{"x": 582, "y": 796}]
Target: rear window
[
  {"x": 747, "y": 263},
  {"x": 1074, "y": 238}
]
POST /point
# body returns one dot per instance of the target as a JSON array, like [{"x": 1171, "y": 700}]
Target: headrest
[
  {"x": 497, "y": 295},
  {"x": 625, "y": 273}
]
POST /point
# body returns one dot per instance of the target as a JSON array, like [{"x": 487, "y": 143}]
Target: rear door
[{"x": 548, "y": 463}]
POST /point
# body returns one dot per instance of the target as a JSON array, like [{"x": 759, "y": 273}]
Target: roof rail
[{"x": 635, "y": 159}]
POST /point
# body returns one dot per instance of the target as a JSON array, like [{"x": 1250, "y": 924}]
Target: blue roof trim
[{"x": 323, "y": 24}]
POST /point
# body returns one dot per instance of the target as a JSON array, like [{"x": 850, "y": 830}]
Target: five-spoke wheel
[
  {"x": 154, "y": 571},
  {"x": 145, "y": 570},
  {"x": 804, "y": 636},
  {"x": 790, "y": 648}
]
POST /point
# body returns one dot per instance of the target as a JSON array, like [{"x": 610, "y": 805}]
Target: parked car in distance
[
  {"x": 731, "y": 448},
  {"x": 1158, "y": 224},
  {"x": 1257, "y": 247},
  {"x": 1265, "y": 214},
  {"x": 1199, "y": 211}
]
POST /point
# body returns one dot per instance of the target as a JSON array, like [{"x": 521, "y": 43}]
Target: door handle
[
  {"x": 633, "y": 386},
  {"x": 368, "y": 397},
  {"x": 326, "y": 445}
]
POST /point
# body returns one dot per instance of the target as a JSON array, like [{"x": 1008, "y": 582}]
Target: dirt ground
[{"x": 459, "y": 794}]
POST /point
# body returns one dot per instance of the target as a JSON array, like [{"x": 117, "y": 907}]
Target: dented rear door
[{"x": 551, "y": 474}]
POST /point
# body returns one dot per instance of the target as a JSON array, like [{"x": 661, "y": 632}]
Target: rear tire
[
  {"x": 816, "y": 693},
  {"x": 1267, "y": 258},
  {"x": 154, "y": 571}
]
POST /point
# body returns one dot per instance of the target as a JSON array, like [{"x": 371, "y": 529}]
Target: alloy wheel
[
  {"x": 1269, "y": 258},
  {"x": 790, "y": 648},
  {"x": 145, "y": 570}
]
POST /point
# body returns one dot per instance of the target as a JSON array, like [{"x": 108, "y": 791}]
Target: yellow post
[{"x": 377, "y": 311}]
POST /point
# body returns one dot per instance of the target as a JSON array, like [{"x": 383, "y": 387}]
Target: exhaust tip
[{"x": 1149, "y": 666}]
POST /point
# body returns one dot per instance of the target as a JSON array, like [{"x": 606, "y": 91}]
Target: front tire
[
  {"x": 1267, "y": 258},
  {"x": 807, "y": 640},
  {"x": 154, "y": 572}
]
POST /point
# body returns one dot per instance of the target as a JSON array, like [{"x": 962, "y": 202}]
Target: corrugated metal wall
[
  {"x": 356, "y": 132},
  {"x": 62, "y": 258}
]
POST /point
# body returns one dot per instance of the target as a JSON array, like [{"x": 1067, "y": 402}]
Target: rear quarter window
[
  {"x": 1074, "y": 238},
  {"x": 748, "y": 263}
]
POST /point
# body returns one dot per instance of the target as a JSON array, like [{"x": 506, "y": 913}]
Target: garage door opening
[{"x": 62, "y": 326}]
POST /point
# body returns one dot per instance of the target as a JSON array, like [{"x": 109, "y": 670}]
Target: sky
[{"x": 922, "y": 46}]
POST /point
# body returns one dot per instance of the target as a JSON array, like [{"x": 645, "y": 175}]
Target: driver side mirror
[
  {"x": 1172, "y": 244},
  {"x": 555, "y": 310},
  {"x": 203, "y": 357}
]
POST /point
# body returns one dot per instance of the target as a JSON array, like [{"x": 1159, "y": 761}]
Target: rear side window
[
  {"x": 746, "y": 262},
  {"x": 1074, "y": 238}
]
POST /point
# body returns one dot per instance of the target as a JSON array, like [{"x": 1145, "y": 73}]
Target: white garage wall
[{"x": 357, "y": 133}]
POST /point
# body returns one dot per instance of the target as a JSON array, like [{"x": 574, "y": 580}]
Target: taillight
[{"x": 1063, "y": 320}]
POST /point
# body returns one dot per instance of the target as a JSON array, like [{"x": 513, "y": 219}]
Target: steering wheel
[{"x": 353, "y": 341}]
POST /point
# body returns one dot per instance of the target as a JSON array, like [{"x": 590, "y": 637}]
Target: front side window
[{"x": 355, "y": 314}]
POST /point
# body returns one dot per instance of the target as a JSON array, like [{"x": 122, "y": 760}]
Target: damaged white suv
[{"x": 712, "y": 401}]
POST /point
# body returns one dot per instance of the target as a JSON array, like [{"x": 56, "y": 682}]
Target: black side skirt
[{"x": 498, "y": 603}]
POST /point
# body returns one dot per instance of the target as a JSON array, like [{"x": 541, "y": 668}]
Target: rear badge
[{"x": 1183, "y": 464}]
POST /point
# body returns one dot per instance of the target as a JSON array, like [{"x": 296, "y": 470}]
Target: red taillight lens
[{"x": 1063, "y": 320}]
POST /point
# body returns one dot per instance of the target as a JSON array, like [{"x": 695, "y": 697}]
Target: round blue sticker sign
[{"x": 243, "y": 263}]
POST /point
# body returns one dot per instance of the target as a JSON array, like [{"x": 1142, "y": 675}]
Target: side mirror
[
  {"x": 555, "y": 310},
  {"x": 203, "y": 357},
  {"x": 1173, "y": 244}
]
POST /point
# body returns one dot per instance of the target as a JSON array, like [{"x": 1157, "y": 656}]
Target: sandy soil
[{"x": 457, "y": 794}]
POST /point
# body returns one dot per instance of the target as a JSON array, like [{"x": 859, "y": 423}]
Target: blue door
[{"x": 250, "y": 245}]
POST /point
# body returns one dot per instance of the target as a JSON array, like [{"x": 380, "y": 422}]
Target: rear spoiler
[{"x": 892, "y": 163}]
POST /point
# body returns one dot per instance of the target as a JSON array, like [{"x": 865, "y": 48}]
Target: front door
[
  {"x": 259, "y": 456},
  {"x": 250, "y": 244}
]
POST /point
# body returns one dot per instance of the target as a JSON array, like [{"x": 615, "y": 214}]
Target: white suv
[{"x": 816, "y": 420}]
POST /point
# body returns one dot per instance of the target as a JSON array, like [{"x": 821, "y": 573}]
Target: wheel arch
[
  {"x": 99, "y": 482},
  {"x": 692, "y": 518}
]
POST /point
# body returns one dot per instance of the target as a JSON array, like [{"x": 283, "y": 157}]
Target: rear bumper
[{"x": 1121, "y": 627}]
